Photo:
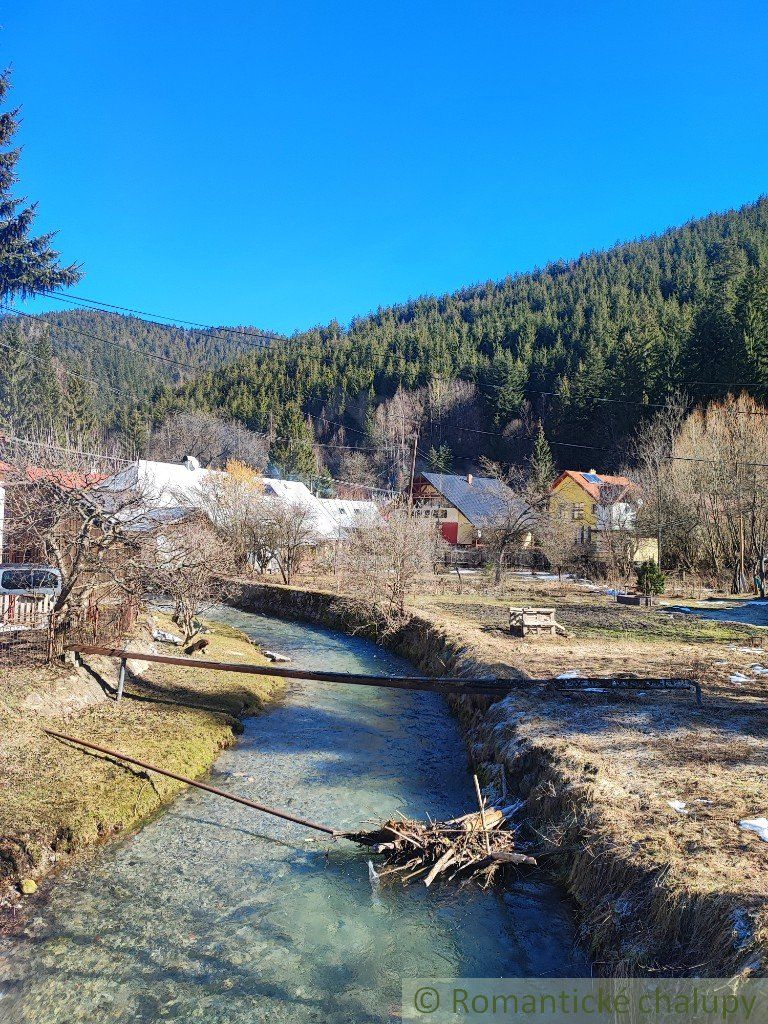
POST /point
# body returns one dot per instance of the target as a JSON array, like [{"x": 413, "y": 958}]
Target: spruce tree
[
  {"x": 45, "y": 393},
  {"x": 542, "y": 464},
  {"x": 30, "y": 397},
  {"x": 17, "y": 413},
  {"x": 27, "y": 264},
  {"x": 440, "y": 459},
  {"x": 78, "y": 415},
  {"x": 293, "y": 448},
  {"x": 752, "y": 317}
]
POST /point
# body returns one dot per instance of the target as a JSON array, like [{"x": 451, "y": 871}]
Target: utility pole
[
  {"x": 658, "y": 516},
  {"x": 413, "y": 468}
]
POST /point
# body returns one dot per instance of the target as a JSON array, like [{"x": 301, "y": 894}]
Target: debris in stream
[
  {"x": 474, "y": 846},
  {"x": 468, "y": 848},
  {"x": 275, "y": 656}
]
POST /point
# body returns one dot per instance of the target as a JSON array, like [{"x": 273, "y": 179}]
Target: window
[
  {"x": 29, "y": 579},
  {"x": 577, "y": 512}
]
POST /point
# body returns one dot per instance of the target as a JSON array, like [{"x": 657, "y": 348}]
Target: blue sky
[{"x": 283, "y": 164}]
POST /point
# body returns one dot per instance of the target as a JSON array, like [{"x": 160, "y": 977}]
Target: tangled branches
[{"x": 473, "y": 847}]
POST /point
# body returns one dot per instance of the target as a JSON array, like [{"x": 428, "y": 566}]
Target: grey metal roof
[{"x": 483, "y": 501}]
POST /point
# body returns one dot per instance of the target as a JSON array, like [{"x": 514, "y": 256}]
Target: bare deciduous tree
[
  {"x": 444, "y": 414},
  {"x": 662, "y": 515},
  {"x": 187, "y": 563},
  {"x": 58, "y": 513},
  {"x": 213, "y": 441},
  {"x": 706, "y": 472},
  {"x": 382, "y": 559},
  {"x": 262, "y": 530},
  {"x": 517, "y": 504}
]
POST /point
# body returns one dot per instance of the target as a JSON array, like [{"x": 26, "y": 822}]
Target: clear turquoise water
[{"x": 215, "y": 913}]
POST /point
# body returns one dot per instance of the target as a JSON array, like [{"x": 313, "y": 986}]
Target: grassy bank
[{"x": 56, "y": 800}]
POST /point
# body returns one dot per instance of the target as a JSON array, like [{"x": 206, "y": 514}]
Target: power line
[
  {"x": 667, "y": 458},
  {"x": 631, "y": 401},
  {"x": 155, "y": 317},
  {"x": 48, "y": 446},
  {"x": 335, "y": 423},
  {"x": 79, "y": 332},
  {"x": 186, "y": 366},
  {"x": 71, "y": 373}
]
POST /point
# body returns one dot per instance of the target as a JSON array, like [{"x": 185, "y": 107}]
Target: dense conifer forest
[{"x": 586, "y": 348}]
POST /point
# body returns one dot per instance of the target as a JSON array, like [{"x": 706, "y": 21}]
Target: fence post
[{"x": 121, "y": 680}]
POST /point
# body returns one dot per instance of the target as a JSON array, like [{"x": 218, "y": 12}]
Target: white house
[
  {"x": 169, "y": 490},
  {"x": 333, "y": 518}
]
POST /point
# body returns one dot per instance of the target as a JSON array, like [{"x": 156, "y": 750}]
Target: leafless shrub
[{"x": 554, "y": 538}]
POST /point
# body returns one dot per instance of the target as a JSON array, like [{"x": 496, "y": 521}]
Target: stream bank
[
  {"x": 57, "y": 802},
  {"x": 642, "y": 907}
]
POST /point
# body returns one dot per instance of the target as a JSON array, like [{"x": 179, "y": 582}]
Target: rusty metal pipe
[
  {"x": 440, "y": 684},
  {"x": 198, "y": 785}
]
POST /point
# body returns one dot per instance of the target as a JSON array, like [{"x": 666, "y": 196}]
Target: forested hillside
[
  {"x": 587, "y": 348},
  {"x": 88, "y": 366}
]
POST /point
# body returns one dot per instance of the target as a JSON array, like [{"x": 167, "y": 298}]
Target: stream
[{"x": 214, "y": 912}]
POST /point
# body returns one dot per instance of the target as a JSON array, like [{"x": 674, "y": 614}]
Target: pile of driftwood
[{"x": 473, "y": 847}]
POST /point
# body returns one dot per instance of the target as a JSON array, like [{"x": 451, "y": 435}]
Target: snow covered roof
[
  {"x": 170, "y": 488},
  {"x": 332, "y": 517},
  {"x": 165, "y": 484}
]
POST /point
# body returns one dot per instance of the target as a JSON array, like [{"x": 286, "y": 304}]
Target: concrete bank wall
[{"x": 635, "y": 918}]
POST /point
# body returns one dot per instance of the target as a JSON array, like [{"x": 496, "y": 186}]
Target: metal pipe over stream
[
  {"x": 462, "y": 845},
  {"x": 457, "y": 685},
  {"x": 192, "y": 782},
  {"x": 440, "y": 684}
]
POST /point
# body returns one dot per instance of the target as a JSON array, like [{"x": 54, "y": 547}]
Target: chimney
[{"x": 470, "y": 478}]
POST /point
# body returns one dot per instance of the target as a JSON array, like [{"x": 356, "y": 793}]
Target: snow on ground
[{"x": 759, "y": 825}]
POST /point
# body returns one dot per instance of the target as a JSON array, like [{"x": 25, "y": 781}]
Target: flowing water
[{"x": 217, "y": 913}]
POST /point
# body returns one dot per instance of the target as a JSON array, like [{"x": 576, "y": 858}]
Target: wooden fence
[{"x": 27, "y": 611}]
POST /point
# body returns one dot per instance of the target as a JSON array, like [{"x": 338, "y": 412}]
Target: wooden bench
[{"x": 527, "y": 621}]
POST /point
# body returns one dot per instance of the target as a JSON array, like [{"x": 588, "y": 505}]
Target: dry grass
[
  {"x": 56, "y": 799},
  {"x": 615, "y": 761}
]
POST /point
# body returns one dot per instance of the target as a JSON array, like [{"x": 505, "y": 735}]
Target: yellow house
[{"x": 597, "y": 502}]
